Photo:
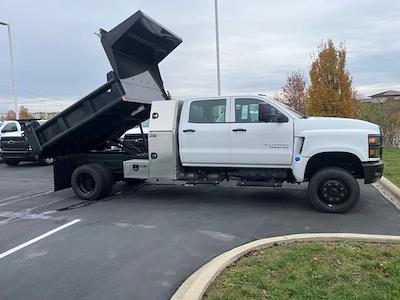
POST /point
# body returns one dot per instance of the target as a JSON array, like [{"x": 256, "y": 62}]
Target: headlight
[
  {"x": 374, "y": 145},
  {"x": 374, "y": 140}
]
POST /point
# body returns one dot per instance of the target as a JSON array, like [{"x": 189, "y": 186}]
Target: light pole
[
  {"x": 217, "y": 46},
  {"x": 14, "y": 86}
]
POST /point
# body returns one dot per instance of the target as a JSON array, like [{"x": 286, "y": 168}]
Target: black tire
[
  {"x": 46, "y": 161},
  {"x": 12, "y": 162},
  {"x": 333, "y": 190},
  {"x": 88, "y": 182},
  {"x": 108, "y": 178}
]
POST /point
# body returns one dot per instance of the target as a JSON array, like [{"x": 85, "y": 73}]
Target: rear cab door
[{"x": 204, "y": 132}]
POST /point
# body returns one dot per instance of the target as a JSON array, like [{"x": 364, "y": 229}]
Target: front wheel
[{"x": 333, "y": 190}]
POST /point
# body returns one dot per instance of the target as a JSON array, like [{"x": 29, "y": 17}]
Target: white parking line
[{"x": 26, "y": 244}]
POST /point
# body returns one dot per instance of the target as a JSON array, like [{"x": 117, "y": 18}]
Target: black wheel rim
[
  {"x": 86, "y": 183},
  {"x": 333, "y": 192}
]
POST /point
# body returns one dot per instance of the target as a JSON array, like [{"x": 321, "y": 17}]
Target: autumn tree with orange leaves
[
  {"x": 24, "y": 113},
  {"x": 330, "y": 92},
  {"x": 295, "y": 93}
]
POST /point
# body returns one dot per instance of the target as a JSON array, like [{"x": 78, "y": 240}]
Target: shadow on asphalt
[{"x": 293, "y": 196}]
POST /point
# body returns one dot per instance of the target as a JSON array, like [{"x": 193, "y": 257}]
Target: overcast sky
[{"x": 59, "y": 59}]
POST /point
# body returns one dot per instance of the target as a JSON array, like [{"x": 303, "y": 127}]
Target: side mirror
[
  {"x": 268, "y": 114},
  {"x": 281, "y": 118}
]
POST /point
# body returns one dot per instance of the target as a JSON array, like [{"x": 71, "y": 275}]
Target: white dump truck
[{"x": 252, "y": 140}]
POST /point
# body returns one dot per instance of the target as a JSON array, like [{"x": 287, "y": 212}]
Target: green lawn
[
  {"x": 391, "y": 158},
  {"x": 344, "y": 270}
]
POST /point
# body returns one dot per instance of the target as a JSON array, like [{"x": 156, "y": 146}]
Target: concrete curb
[
  {"x": 389, "y": 190},
  {"x": 194, "y": 287}
]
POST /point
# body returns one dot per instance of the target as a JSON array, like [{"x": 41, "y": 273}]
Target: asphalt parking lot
[{"x": 142, "y": 242}]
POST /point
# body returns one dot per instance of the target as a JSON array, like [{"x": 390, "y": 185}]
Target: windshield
[
  {"x": 295, "y": 112},
  {"x": 284, "y": 106}
]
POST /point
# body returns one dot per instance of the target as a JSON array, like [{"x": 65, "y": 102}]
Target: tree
[
  {"x": 294, "y": 92},
  {"x": 330, "y": 92},
  {"x": 277, "y": 97},
  {"x": 24, "y": 113},
  {"x": 10, "y": 115},
  {"x": 386, "y": 115}
]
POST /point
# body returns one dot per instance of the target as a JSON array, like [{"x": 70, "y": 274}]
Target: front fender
[
  {"x": 328, "y": 141},
  {"x": 355, "y": 143}
]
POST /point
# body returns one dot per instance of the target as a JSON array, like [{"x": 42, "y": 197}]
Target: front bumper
[
  {"x": 372, "y": 171},
  {"x": 19, "y": 155}
]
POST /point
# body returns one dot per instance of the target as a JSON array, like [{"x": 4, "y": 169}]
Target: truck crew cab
[{"x": 253, "y": 140}]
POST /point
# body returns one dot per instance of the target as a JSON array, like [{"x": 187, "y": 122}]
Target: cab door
[
  {"x": 204, "y": 132},
  {"x": 255, "y": 143}
]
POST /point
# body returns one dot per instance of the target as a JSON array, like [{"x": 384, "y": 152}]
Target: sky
[{"x": 59, "y": 59}]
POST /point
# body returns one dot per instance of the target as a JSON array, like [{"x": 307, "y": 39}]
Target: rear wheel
[
  {"x": 11, "y": 162},
  {"x": 88, "y": 182},
  {"x": 333, "y": 190},
  {"x": 108, "y": 178}
]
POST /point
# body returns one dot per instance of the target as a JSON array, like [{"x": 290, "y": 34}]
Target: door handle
[
  {"x": 239, "y": 129},
  {"x": 189, "y": 130}
]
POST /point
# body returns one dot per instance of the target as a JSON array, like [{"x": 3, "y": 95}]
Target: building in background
[{"x": 383, "y": 97}]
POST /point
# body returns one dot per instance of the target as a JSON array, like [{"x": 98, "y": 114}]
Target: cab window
[
  {"x": 207, "y": 111},
  {"x": 246, "y": 110},
  {"x": 10, "y": 127}
]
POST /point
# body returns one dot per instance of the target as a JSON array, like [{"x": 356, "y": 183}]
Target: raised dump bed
[{"x": 134, "y": 49}]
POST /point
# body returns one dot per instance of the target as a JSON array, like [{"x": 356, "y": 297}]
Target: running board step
[
  {"x": 202, "y": 181},
  {"x": 259, "y": 183}
]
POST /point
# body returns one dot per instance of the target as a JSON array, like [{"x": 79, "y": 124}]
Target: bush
[{"x": 386, "y": 115}]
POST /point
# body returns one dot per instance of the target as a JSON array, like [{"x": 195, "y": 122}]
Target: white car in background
[
  {"x": 135, "y": 137},
  {"x": 10, "y": 126},
  {"x": 14, "y": 146}
]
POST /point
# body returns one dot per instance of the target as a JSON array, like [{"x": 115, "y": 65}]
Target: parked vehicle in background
[
  {"x": 14, "y": 146},
  {"x": 137, "y": 136},
  {"x": 10, "y": 126},
  {"x": 1, "y": 158}
]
